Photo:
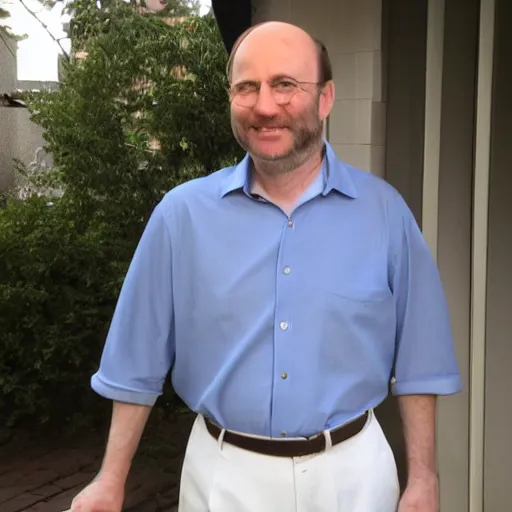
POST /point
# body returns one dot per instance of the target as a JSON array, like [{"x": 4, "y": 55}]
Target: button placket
[{"x": 283, "y": 329}]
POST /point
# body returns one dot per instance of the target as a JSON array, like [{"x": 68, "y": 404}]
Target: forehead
[{"x": 264, "y": 56}]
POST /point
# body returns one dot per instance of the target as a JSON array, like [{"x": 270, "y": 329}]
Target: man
[{"x": 286, "y": 293}]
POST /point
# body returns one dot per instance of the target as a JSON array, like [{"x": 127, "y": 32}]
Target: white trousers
[{"x": 357, "y": 475}]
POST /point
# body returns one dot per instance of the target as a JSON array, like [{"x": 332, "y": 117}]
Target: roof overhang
[{"x": 233, "y": 17}]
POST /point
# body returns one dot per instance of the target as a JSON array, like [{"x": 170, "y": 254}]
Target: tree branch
[{"x": 57, "y": 41}]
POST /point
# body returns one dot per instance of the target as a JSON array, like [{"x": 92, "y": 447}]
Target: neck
[{"x": 285, "y": 184}]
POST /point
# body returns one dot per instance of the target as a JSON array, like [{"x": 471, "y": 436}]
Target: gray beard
[{"x": 305, "y": 144}]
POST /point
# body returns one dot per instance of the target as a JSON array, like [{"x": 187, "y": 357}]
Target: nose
[{"x": 266, "y": 105}]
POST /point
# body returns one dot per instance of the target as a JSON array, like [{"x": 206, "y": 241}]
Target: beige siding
[{"x": 352, "y": 33}]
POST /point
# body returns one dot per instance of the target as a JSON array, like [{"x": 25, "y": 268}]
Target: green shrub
[
  {"x": 57, "y": 287},
  {"x": 63, "y": 259}
]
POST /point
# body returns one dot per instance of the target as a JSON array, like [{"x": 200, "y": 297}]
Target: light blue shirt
[{"x": 274, "y": 324}]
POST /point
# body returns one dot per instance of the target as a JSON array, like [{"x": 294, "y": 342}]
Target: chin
[
  {"x": 270, "y": 155},
  {"x": 271, "y": 151}
]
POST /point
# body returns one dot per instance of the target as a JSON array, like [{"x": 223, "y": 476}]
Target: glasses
[{"x": 246, "y": 94}]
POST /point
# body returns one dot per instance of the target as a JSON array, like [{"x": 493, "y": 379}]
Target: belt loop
[
  {"x": 328, "y": 440},
  {"x": 220, "y": 440}
]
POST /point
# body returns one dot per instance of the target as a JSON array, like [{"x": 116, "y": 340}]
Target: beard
[{"x": 306, "y": 133}]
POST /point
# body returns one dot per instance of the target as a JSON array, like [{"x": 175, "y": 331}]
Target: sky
[{"x": 37, "y": 55}]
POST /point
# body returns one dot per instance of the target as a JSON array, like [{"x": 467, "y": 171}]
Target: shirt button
[
  {"x": 283, "y": 433},
  {"x": 284, "y": 375},
  {"x": 283, "y": 326},
  {"x": 287, "y": 270},
  {"x": 290, "y": 223}
]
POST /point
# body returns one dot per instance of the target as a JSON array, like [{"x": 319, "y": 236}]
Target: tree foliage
[{"x": 143, "y": 109}]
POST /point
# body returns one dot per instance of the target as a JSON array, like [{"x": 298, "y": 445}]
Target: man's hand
[
  {"x": 421, "y": 495},
  {"x": 101, "y": 495},
  {"x": 106, "y": 492}
]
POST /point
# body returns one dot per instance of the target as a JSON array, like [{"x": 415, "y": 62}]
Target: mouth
[{"x": 268, "y": 129}]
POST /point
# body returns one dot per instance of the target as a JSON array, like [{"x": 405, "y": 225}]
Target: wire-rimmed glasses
[{"x": 246, "y": 93}]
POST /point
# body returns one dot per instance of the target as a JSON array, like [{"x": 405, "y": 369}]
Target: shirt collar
[{"x": 337, "y": 176}]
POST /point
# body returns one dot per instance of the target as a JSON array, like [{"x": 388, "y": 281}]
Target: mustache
[{"x": 268, "y": 122}]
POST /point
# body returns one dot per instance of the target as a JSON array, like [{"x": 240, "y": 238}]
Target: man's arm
[
  {"x": 425, "y": 361},
  {"x": 136, "y": 359},
  {"x": 127, "y": 425},
  {"x": 106, "y": 492},
  {"x": 418, "y": 414}
]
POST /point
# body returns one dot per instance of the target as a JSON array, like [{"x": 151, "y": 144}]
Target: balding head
[
  {"x": 279, "y": 95},
  {"x": 290, "y": 41}
]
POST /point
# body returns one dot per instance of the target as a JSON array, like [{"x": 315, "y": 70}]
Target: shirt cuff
[
  {"x": 117, "y": 394},
  {"x": 447, "y": 385}
]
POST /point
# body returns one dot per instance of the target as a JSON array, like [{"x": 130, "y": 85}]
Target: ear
[{"x": 326, "y": 100}]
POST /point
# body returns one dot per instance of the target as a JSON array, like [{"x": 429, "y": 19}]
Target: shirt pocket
[
  {"x": 364, "y": 323},
  {"x": 357, "y": 295}
]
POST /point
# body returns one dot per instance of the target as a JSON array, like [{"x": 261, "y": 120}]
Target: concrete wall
[{"x": 352, "y": 32}]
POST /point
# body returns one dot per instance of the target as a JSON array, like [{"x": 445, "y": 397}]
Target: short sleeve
[
  {"x": 425, "y": 361},
  {"x": 139, "y": 349}
]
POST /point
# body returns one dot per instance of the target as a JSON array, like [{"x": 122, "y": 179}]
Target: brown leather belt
[{"x": 289, "y": 447}]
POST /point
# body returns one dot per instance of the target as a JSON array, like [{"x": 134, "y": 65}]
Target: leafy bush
[
  {"x": 144, "y": 111},
  {"x": 57, "y": 287}
]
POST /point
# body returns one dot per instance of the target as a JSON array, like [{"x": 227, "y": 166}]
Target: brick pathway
[{"x": 44, "y": 477}]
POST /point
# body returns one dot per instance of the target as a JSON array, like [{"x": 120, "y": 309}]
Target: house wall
[
  {"x": 7, "y": 146},
  {"x": 455, "y": 191},
  {"x": 352, "y": 33},
  {"x": 8, "y": 48},
  {"x": 8, "y": 80},
  {"x": 498, "y": 354},
  {"x": 20, "y": 137},
  {"x": 445, "y": 83},
  {"x": 20, "y": 140},
  {"x": 405, "y": 41}
]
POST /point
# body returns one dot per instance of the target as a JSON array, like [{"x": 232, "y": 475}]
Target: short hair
[{"x": 324, "y": 61}]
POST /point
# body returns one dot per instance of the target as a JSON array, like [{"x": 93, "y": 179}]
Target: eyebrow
[
  {"x": 274, "y": 78},
  {"x": 283, "y": 77}
]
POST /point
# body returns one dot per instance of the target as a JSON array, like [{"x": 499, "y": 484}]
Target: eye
[
  {"x": 284, "y": 86},
  {"x": 245, "y": 88}
]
